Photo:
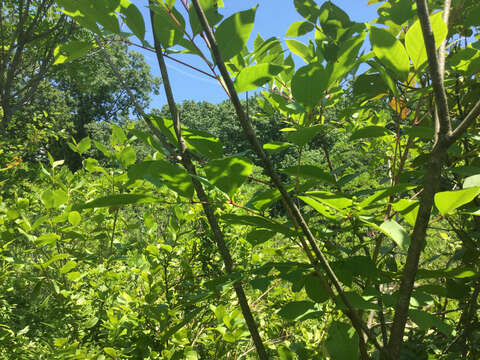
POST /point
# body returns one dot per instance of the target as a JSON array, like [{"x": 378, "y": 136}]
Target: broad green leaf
[
  {"x": 163, "y": 172},
  {"x": 370, "y": 132},
  {"x": 471, "y": 181},
  {"x": 308, "y": 9},
  {"x": 255, "y": 76},
  {"x": 111, "y": 351},
  {"x": 47, "y": 239},
  {"x": 448, "y": 201},
  {"x": 310, "y": 171},
  {"x": 126, "y": 157},
  {"x": 134, "y": 19},
  {"x": 275, "y": 147},
  {"x": 335, "y": 22},
  {"x": 54, "y": 198},
  {"x": 397, "y": 233},
  {"x": 74, "y": 218},
  {"x": 421, "y": 132},
  {"x": 369, "y": 86},
  {"x": 200, "y": 142},
  {"x": 299, "y": 28},
  {"x": 309, "y": 84},
  {"x": 319, "y": 207},
  {"x": 346, "y": 59},
  {"x": 55, "y": 258},
  {"x": 118, "y": 136},
  {"x": 169, "y": 25},
  {"x": 295, "y": 310},
  {"x": 314, "y": 289},
  {"x": 336, "y": 201},
  {"x": 229, "y": 173},
  {"x": 426, "y": 321},
  {"x": 257, "y": 237},
  {"x": 408, "y": 209},
  {"x": 103, "y": 148},
  {"x": 357, "y": 301},
  {"x": 69, "y": 265},
  {"x": 390, "y": 51},
  {"x": 342, "y": 342},
  {"x": 301, "y": 135},
  {"x": 84, "y": 145},
  {"x": 415, "y": 44},
  {"x": 256, "y": 221},
  {"x": 210, "y": 9},
  {"x": 117, "y": 200},
  {"x": 233, "y": 33},
  {"x": 70, "y": 51},
  {"x": 300, "y": 49},
  {"x": 47, "y": 198}
]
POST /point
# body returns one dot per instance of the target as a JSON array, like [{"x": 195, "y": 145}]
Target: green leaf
[
  {"x": 408, "y": 209},
  {"x": 370, "y": 132},
  {"x": 315, "y": 289},
  {"x": 229, "y": 173},
  {"x": 310, "y": 171},
  {"x": 308, "y": 9},
  {"x": 134, "y": 19},
  {"x": 127, "y": 156},
  {"x": 448, "y": 201},
  {"x": 309, "y": 84},
  {"x": 47, "y": 239},
  {"x": 161, "y": 172},
  {"x": 342, "y": 342},
  {"x": 390, "y": 51},
  {"x": 415, "y": 44},
  {"x": 111, "y": 351},
  {"x": 346, "y": 60},
  {"x": 257, "y": 237},
  {"x": 257, "y": 222},
  {"x": 103, "y": 149},
  {"x": 303, "y": 135},
  {"x": 255, "y": 76},
  {"x": 233, "y": 33},
  {"x": 357, "y": 301},
  {"x": 48, "y": 198},
  {"x": 421, "y": 132},
  {"x": 397, "y": 233},
  {"x": 72, "y": 50},
  {"x": 84, "y": 145},
  {"x": 295, "y": 310},
  {"x": 74, "y": 218},
  {"x": 275, "y": 147},
  {"x": 118, "y": 136},
  {"x": 426, "y": 321},
  {"x": 299, "y": 28},
  {"x": 210, "y": 9},
  {"x": 117, "y": 200},
  {"x": 471, "y": 181},
  {"x": 299, "y": 49},
  {"x": 169, "y": 25},
  {"x": 69, "y": 265}
]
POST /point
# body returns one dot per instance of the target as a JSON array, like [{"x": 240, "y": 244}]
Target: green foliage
[{"x": 119, "y": 260}]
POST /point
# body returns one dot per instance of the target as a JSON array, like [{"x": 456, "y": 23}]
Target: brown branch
[{"x": 443, "y": 118}]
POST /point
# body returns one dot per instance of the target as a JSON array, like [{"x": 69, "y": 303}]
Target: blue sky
[{"x": 273, "y": 18}]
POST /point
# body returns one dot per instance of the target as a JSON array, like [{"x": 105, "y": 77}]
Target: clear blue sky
[{"x": 272, "y": 19}]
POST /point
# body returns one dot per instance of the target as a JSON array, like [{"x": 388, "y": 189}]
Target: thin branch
[
  {"x": 444, "y": 125},
  {"x": 469, "y": 120}
]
